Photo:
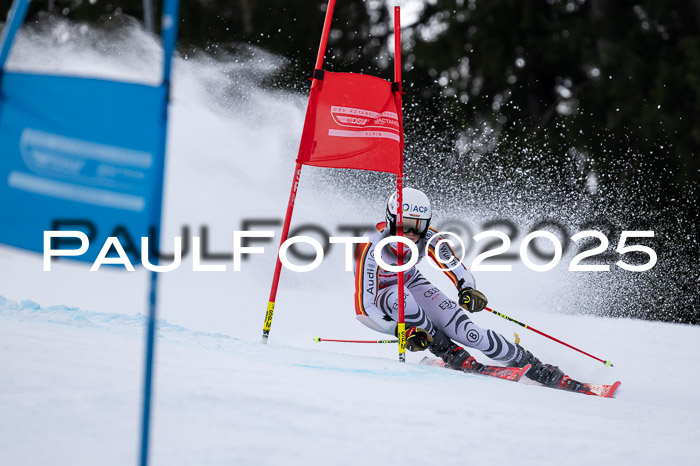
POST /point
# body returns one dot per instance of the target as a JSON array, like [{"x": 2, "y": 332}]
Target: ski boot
[
  {"x": 454, "y": 356},
  {"x": 546, "y": 374}
]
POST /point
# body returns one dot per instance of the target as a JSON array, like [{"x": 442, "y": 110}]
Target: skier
[{"x": 432, "y": 319}]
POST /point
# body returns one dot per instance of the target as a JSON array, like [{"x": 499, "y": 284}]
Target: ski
[
  {"x": 595, "y": 389},
  {"x": 507, "y": 373}
]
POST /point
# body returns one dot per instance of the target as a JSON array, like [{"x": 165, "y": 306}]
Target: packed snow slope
[
  {"x": 71, "y": 366},
  {"x": 70, "y": 394}
]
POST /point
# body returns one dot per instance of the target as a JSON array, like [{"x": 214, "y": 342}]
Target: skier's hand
[
  {"x": 417, "y": 339},
  {"x": 472, "y": 300}
]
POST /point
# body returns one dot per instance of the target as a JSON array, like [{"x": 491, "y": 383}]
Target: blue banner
[{"x": 81, "y": 154}]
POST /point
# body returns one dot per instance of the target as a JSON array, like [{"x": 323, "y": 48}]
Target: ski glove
[
  {"x": 417, "y": 339},
  {"x": 471, "y": 300}
]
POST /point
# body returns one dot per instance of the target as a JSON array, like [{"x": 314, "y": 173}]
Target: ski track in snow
[{"x": 71, "y": 385}]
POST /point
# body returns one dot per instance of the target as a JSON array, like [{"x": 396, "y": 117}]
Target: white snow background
[{"x": 71, "y": 341}]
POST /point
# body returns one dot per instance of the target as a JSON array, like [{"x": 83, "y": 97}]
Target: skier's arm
[
  {"x": 470, "y": 299},
  {"x": 458, "y": 270}
]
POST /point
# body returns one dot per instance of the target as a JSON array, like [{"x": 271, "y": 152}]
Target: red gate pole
[
  {"x": 295, "y": 183},
  {"x": 401, "y": 333}
]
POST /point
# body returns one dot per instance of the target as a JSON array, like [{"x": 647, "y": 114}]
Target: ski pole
[
  {"x": 607, "y": 363},
  {"x": 319, "y": 339}
]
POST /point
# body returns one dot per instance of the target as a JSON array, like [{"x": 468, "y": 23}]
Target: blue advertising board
[{"x": 80, "y": 153}]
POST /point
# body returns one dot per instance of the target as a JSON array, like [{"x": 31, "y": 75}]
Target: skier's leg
[
  {"x": 414, "y": 316},
  {"x": 456, "y": 324},
  {"x": 419, "y": 289},
  {"x": 455, "y": 357},
  {"x": 427, "y": 307},
  {"x": 451, "y": 319}
]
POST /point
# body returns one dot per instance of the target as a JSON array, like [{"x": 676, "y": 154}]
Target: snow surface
[
  {"x": 70, "y": 383},
  {"x": 70, "y": 390}
]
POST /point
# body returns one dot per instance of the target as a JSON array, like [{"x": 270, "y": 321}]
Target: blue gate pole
[
  {"x": 171, "y": 10},
  {"x": 18, "y": 11},
  {"x": 150, "y": 348}
]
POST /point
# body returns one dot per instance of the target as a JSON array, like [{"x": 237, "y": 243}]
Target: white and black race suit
[{"x": 426, "y": 306}]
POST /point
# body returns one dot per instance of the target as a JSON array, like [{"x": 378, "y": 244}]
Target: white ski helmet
[{"x": 416, "y": 212}]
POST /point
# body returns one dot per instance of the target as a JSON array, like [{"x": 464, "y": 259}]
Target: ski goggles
[{"x": 417, "y": 225}]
